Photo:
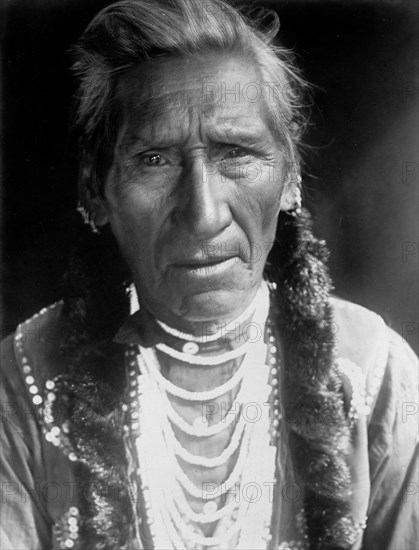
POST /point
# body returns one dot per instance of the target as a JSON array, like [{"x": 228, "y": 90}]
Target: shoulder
[
  {"x": 366, "y": 344},
  {"x": 34, "y": 346},
  {"x": 30, "y": 357}
]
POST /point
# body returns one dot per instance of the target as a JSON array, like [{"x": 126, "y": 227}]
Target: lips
[
  {"x": 196, "y": 263},
  {"x": 204, "y": 269}
]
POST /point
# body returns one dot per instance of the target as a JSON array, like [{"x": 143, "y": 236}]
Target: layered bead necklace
[{"x": 244, "y": 519}]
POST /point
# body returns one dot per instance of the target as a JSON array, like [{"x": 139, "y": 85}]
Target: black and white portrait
[{"x": 210, "y": 275}]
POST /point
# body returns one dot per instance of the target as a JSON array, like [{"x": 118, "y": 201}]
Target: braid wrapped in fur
[
  {"x": 92, "y": 386},
  {"x": 318, "y": 433}
]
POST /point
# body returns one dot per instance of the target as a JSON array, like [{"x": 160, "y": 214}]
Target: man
[{"x": 189, "y": 186}]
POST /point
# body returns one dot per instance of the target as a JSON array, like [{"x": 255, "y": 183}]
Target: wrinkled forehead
[{"x": 209, "y": 87}]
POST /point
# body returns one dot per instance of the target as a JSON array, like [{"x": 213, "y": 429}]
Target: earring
[
  {"x": 295, "y": 208},
  {"x": 86, "y": 215}
]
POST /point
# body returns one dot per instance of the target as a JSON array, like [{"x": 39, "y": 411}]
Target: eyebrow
[
  {"x": 233, "y": 132},
  {"x": 222, "y": 130}
]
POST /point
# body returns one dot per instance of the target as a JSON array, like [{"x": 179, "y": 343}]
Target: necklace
[{"x": 164, "y": 483}]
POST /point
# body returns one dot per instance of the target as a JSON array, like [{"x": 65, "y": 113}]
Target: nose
[{"x": 202, "y": 208}]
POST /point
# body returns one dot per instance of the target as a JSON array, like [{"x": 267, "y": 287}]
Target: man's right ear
[{"x": 98, "y": 211}]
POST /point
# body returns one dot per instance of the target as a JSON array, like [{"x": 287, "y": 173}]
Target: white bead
[
  {"x": 210, "y": 507},
  {"x": 190, "y": 347}
]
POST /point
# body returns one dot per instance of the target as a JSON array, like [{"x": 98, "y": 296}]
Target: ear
[
  {"x": 288, "y": 194},
  {"x": 98, "y": 211}
]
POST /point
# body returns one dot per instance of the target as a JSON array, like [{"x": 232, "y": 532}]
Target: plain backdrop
[{"x": 361, "y": 173}]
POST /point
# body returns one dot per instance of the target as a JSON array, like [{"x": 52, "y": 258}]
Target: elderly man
[{"x": 185, "y": 393}]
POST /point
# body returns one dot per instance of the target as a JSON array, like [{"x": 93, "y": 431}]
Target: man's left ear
[{"x": 291, "y": 194}]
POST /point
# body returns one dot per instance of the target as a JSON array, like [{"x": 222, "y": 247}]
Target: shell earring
[
  {"x": 87, "y": 219},
  {"x": 293, "y": 206}
]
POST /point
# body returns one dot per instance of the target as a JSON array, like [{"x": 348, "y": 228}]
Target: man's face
[{"x": 195, "y": 186}]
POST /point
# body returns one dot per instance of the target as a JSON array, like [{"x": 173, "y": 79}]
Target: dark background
[{"x": 361, "y": 173}]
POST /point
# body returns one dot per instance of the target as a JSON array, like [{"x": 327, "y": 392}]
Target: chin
[{"x": 214, "y": 306}]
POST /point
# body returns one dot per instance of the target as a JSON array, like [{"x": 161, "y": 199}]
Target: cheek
[{"x": 262, "y": 204}]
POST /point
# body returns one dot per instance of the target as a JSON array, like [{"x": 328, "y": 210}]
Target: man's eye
[
  {"x": 153, "y": 159},
  {"x": 236, "y": 152}
]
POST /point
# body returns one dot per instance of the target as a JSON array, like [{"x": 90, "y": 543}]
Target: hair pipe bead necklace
[{"x": 165, "y": 484}]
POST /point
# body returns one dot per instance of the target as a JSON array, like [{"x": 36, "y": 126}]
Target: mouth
[
  {"x": 203, "y": 262},
  {"x": 206, "y": 267}
]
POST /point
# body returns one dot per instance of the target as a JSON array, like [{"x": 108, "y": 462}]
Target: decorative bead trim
[
  {"x": 57, "y": 435},
  {"x": 374, "y": 382},
  {"x": 54, "y": 434},
  {"x": 66, "y": 530},
  {"x": 356, "y": 378}
]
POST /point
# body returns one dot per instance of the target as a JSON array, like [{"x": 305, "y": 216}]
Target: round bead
[
  {"x": 74, "y": 511},
  {"x": 50, "y": 384},
  {"x": 37, "y": 399},
  {"x": 49, "y": 437},
  {"x": 51, "y": 396},
  {"x": 68, "y": 543},
  {"x": 55, "y": 431},
  {"x": 273, "y": 349},
  {"x": 210, "y": 507},
  {"x": 72, "y": 521},
  {"x": 190, "y": 347},
  {"x": 26, "y": 369},
  {"x": 272, "y": 360},
  {"x": 72, "y": 456},
  {"x": 33, "y": 389},
  {"x": 29, "y": 380}
]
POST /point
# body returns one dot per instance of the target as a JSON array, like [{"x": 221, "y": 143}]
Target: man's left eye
[
  {"x": 153, "y": 159},
  {"x": 235, "y": 153}
]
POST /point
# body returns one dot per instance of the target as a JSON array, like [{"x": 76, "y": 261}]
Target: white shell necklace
[{"x": 171, "y": 521}]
